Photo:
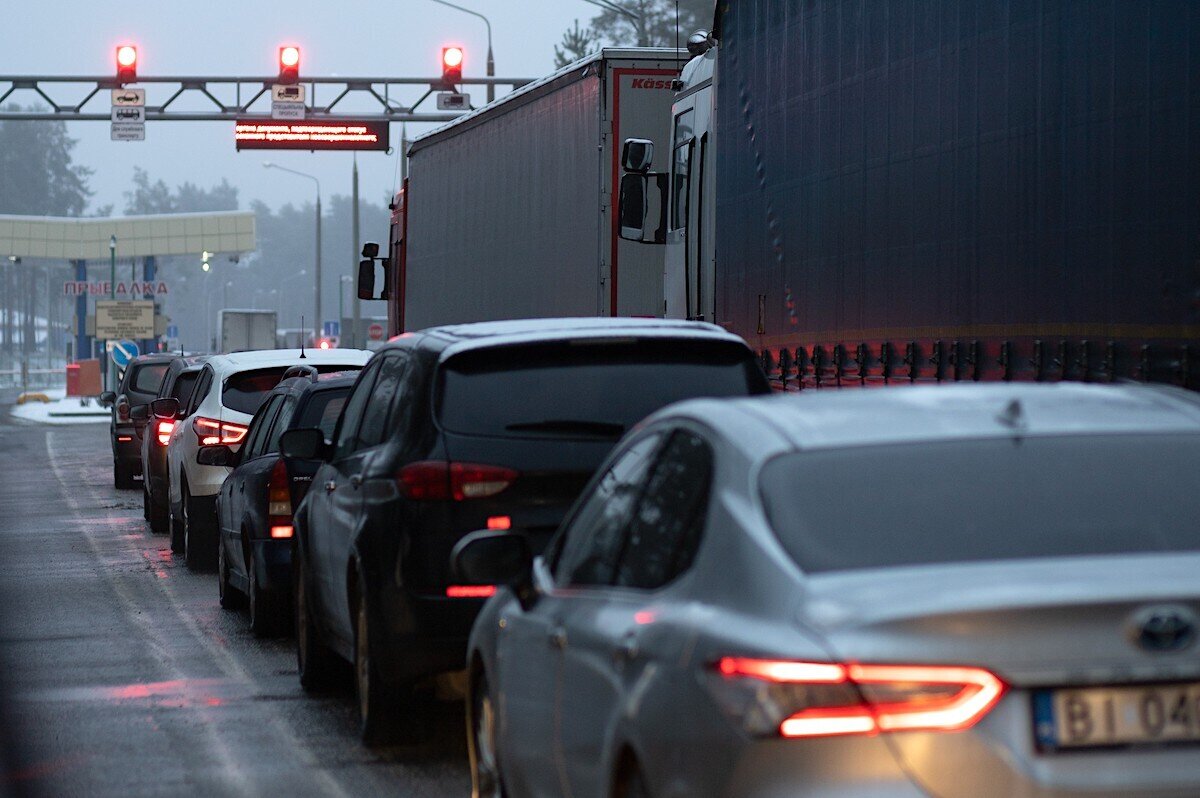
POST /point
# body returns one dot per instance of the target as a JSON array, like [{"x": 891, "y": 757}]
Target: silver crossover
[{"x": 946, "y": 591}]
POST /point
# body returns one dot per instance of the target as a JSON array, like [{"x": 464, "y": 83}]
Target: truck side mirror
[
  {"x": 386, "y": 291},
  {"x": 638, "y": 194},
  {"x": 370, "y": 250},
  {"x": 366, "y": 278},
  {"x": 637, "y": 155}
]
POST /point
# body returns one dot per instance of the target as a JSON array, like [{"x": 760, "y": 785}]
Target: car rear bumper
[
  {"x": 426, "y": 635},
  {"x": 127, "y": 448}
]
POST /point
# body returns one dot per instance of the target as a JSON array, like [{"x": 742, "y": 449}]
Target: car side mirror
[
  {"x": 366, "y": 279},
  {"x": 140, "y": 413},
  {"x": 107, "y": 398},
  {"x": 166, "y": 409},
  {"x": 216, "y": 456},
  {"x": 493, "y": 557},
  {"x": 637, "y": 155},
  {"x": 303, "y": 444}
]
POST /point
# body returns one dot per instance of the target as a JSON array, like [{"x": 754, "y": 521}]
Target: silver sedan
[{"x": 953, "y": 591}]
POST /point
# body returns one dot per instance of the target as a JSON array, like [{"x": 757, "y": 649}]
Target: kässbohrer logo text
[{"x": 649, "y": 83}]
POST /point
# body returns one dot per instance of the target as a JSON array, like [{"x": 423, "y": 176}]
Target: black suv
[
  {"x": 177, "y": 384},
  {"x": 454, "y": 429},
  {"x": 139, "y": 386},
  {"x": 254, "y": 507}
]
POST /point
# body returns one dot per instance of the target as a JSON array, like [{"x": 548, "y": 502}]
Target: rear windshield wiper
[{"x": 567, "y": 426}]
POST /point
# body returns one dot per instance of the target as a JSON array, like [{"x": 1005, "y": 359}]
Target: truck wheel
[{"x": 316, "y": 662}]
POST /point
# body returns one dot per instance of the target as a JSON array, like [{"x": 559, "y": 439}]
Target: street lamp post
[
  {"x": 491, "y": 64},
  {"x": 317, "y": 299}
]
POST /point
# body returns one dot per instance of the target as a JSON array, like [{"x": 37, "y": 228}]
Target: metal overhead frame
[{"x": 381, "y": 89}]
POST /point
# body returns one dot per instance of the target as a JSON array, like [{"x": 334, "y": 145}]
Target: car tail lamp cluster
[
  {"x": 437, "y": 480},
  {"x": 279, "y": 502},
  {"x": 814, "y": 699},
  {"x": 163, "y": 430},
  {"x": 212, "y": 432}
]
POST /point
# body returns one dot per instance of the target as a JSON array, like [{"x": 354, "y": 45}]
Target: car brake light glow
[
  {"x": 499, "y": 522},
  {"x": 281, "y": 531},
  {"x": 836, "y": 699},
  {"x": 163, "y": 433},
  {"x": 212, "y": 432},
  {"x": 470, "y": 591},
  {"x": 433, "y": 480},
  {"x": 124, "y": 438}
]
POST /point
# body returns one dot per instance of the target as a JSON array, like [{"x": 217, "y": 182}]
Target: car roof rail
[{"x": 301, "y": 371}]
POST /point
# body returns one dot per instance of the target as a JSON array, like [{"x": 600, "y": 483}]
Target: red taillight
[
  {"x": 211, "y": 432},
  {"x": 818, "y": 699},
  {"x": 432, "y": 480},
  {"x": 470, "y": 591},
  {"x": 124, "y": 438},
  {"x": 499, "y": 522},
  {"x": 279, "y": 501},
  {"x": 163, "y": 432}
]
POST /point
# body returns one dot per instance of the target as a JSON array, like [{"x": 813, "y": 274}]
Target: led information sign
[{"x": 308, "y": 134}]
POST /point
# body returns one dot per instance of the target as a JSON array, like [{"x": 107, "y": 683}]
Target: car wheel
[
  {"x": 158, "y": 515},
  {"x": 485, "y": 764},
  {"x": 264, "y": 605},
  {"x": 145, "y": 501},
  {"x": 314, "y": 660},
  {"x": 122, "y": 476},
  {"x": 229, "y": 595},
  {"x": 378, "y": 704},
  {"x": 197, "y": 546}
]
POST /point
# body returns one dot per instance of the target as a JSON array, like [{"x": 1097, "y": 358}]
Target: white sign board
[
  {"x": 453, "y": 101},
  {"x": 127, "y": 97},
  {"x": 116, "y": 320},
  {"x": 129, "y": 113},
  {"x": 287, "y": 93},
  {"x": 128, "y": 131},
  {"x": 287, "y": 110}
]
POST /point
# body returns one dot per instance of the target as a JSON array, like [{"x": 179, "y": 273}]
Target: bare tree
[{"x": 650, "y": 23}]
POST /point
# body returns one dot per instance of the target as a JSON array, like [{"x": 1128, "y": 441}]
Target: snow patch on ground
[{"x": 62, "y": 409}]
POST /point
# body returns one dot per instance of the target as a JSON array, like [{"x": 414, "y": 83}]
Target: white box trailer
[
  {"x": 245, "y": 330},
  {"x": 509, "y": 211}
]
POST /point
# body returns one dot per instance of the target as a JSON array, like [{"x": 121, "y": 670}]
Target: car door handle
[
  {"x": 557, "y": 637},
  {"x": 330, "y": 486},
  {"x": 356, "y": 481}
]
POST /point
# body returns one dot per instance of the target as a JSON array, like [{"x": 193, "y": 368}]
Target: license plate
[{"x": 1095, "y": 717}]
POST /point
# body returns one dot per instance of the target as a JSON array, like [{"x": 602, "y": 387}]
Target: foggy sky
[{"x": 223, "y": 37}]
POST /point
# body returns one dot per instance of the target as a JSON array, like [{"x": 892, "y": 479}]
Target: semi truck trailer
[
  {"x": 508, "y": 212},
  {"x": 895, "y": 191}
]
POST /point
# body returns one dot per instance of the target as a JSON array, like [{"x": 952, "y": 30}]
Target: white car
[{"x": 228, "y": 392}]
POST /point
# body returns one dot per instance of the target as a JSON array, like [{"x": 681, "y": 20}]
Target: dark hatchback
[
  {"x": 138, "y": 387},
  {"x": 177, "y": 384},
  {"x": 254, "y": 506},
  {"x": 454, "y": 429}
]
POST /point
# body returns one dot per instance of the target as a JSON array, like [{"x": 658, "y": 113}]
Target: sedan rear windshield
[
  {"x": 245, "y": 392},
  {"x": 588, "y": 389},
  {"x": 979, "y": 500},
  {"x": 148, "y": 377}
]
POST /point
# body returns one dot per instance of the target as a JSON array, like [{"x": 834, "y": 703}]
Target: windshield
[
  {"x": 586, "y": 390},
  {"x": 969, "y": 501}
]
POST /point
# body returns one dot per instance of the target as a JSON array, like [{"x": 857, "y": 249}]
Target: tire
[
  {"x": 159, "y": 516},
  {"x": 315, "y": 662},
  {"x": 264, "y": 605},
  {"x": 486, "y": 776},
  {"x": 199, "y": 551},
  {"x": 379, "y": 704},
  {"x": 176, "y": 533},
  {"x": 229, "y": 596},
  {"x": 145, "y": 501},
  {"x": 122, "y": 476}
]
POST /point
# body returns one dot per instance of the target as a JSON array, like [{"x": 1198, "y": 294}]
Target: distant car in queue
[
  {"x": 959, "y": 591},
  {"x": 181, "y": 376},
  {"x": 228, "y": 393},
  {"x": 138, "y": 387},
  {"x": 254, "y": 506},
  {"x": 451, "y": 429}
]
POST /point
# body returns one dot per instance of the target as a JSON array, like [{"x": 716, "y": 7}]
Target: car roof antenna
[{"x": 303, "y": 332}]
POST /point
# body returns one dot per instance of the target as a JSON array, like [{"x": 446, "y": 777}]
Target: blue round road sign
[{"x": 123, "y": 352}]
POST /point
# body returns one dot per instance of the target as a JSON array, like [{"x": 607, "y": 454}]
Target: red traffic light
[
  {"x": 126, "y": 63},
  {"x": 289, "y": 64},
  {"x": 452, "y": 64}
]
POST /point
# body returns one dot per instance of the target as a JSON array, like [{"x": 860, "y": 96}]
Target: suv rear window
[
  {"x": 980, "y": 500},
  {"x": 323, "y": 409},
  {"x": 586, "y": 389},
  {"x": 246, "y": 391},
  {"x": 182, "y": 389},
  {"x": 148, "y": 377}
]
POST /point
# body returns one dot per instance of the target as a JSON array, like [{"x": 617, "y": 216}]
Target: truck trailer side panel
[{"x": 962, "y": 190}]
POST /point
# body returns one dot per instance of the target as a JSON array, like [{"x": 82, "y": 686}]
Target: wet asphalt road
[{"x": 121, "y": 675}]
